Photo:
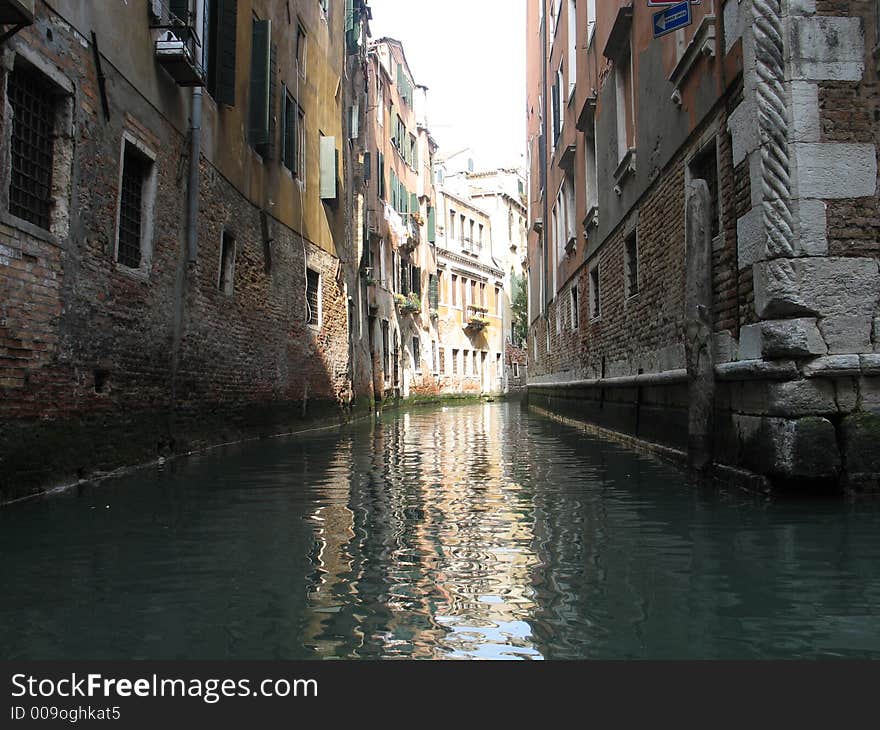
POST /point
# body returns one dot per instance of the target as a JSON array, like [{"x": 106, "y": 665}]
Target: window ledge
[
  {"x": 702, "y": 44},
  {"x": 141, "y": 274},
  {"x": 591, "y": 220},
  {"x": 626, "y": 167},
  {"x": 30, "y": 229}
]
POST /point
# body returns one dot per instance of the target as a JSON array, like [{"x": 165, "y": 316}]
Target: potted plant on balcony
[
  {"x": 477, "y": 319},
  {"x": 412, "y": 304}
]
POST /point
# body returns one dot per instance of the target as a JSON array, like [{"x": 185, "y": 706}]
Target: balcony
[
  {"x": 477, "y": 319},
  {"x": 408, "y": 304},
  {"x": 178, "y": 49}
]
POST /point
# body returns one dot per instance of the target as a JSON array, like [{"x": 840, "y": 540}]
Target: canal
[{"x": 451, "y": 532}]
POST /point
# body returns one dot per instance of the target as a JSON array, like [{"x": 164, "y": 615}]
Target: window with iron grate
[
  {"x": 33, "y": 109},
  {"x": 135, "y": 171},
  {"x": 313, "y": 298}
]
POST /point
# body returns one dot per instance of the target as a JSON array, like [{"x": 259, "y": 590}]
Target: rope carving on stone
[{"x": 775, "y": 168}]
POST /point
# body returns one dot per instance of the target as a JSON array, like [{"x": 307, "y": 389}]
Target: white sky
[{"x": 471, "y": 56}]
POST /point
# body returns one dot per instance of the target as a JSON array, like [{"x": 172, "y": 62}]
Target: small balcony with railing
[
  {"x": 178, "y": 47},
  {"x": 477, "y": 319}
]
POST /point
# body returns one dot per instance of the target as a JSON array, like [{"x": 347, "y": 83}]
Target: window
[
  {"x": 293, "y": 137},
  {"x": 454, "y": 290},
  {"x": 417, "y": 354},
  {"x": 572, "y": 46},
  {"x": 325, "y": 7},
  {"x": 218, "y": 49},
  {"x": 475, "y": 370},
  {"x": 434, "y": 291},
  {"x": 591, "y": 19},
  {"x": 465, "y": 359},
  {"x": 631, "y": 262},
  {"x": 592, "y": 171},
  {"x": 434, "y": 363},
  {"x": 461, "y": 230},
  {"x": 454, "y": 362},
  {"x": 226, "y": 279},
  {"x": 381, "y": 175},
  {"x": 483, "y": 295},
  {"x": 480, "y": 238},
  {"x": 33, "y": 105},
  {"x": 443, "y": 360},
  {"x": 301, "y": 44},
  {"x": 704, "y": 166},
  {"x": 559, "y": 317},
  {"x": 136, "y": 196},
  {"x": 497, "y": 301},
  {"x": 313, "y": 298},
  {"x": 573, "y": 301},
  {"x": 385, "y": 349},
  {"x": 451, "y": 235},
  {"x": 515, "y": 370},
  {"x": 623, "y": 95},
  {"x": 380, "y": 103},
  {"x": 595, "y": 296}
]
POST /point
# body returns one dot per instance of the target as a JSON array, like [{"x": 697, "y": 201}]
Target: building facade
[
  {"x": 173, "y": 238},
  {"x": 703, "y": 230},
  {"x": 399, "y": 268},
  {"x": 471, "y": 297}
]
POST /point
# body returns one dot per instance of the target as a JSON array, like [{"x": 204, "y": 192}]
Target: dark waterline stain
[{"x": 459, "y": 532}]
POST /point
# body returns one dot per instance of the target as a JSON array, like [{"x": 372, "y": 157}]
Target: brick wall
[
  {"x": 643, "y": 332},
  {"x": 101, "y": 366}
]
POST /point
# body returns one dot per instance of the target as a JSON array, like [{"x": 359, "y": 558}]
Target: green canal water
[{"x": 475, "y": 531}]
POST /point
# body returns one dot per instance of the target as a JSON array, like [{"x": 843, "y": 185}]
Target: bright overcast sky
[{"x": 471, "y": 56}]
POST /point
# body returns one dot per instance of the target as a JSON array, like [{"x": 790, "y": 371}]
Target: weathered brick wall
[
  {"x": 100, "y": 367},
  {"x": 643, "y": 333}
]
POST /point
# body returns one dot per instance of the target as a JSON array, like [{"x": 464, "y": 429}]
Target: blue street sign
[{"x": 672, "y": 18}]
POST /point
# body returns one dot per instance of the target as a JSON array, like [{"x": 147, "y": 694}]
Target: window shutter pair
[{"x": 413, "y": 203}]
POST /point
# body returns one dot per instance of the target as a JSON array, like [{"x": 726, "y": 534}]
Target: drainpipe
[{"x": 195, "y": 154}]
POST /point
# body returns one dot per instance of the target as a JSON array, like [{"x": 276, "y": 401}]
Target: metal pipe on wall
[{"x": 195, "y": 154}]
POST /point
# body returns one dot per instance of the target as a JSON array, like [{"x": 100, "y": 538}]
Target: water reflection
[{"x": 470, "y": 532}]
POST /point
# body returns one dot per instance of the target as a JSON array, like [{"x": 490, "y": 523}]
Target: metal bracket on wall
[
  {"x": 102, "y": 80},
  {"x": 12, "y": 31}
]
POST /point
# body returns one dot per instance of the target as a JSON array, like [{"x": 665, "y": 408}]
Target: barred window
[
  {"x": 135, "y": 171},
  {"x": 226, "y": 282},
  {"x": 313, "y": 298},
  {"x": 33, "y": 109}
]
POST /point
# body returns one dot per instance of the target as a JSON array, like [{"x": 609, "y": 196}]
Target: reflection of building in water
[{"x": 431, "y": 555}]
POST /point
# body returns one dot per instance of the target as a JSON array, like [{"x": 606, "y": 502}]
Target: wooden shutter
[
  {"x": 227, "y": 14},
  {"x": 258, "y": 125},
  {"x": 381, "y": 173},
  {"x": 413, "y": 203},
  {"x": 417, "y": 281},
  {"x": 328, "y": 168},
  {"x": 432, "y": 225}
]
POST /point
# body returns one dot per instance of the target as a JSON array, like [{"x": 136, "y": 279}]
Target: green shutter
[
  {"x": 288, "y": 132},
  {"x": 328, "y": 168},
  {"x": 434, "y": 291},
  {"x": 227, "y": 13},
  {"x": 416, "y": 153},
  {"x": 381, "y": 173},
  {"x": 258, "y": 118},
  {"x": 180, "y": 9},
  {"x": 413, "y": 203},
  {"x": 432, "y": 226}
]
